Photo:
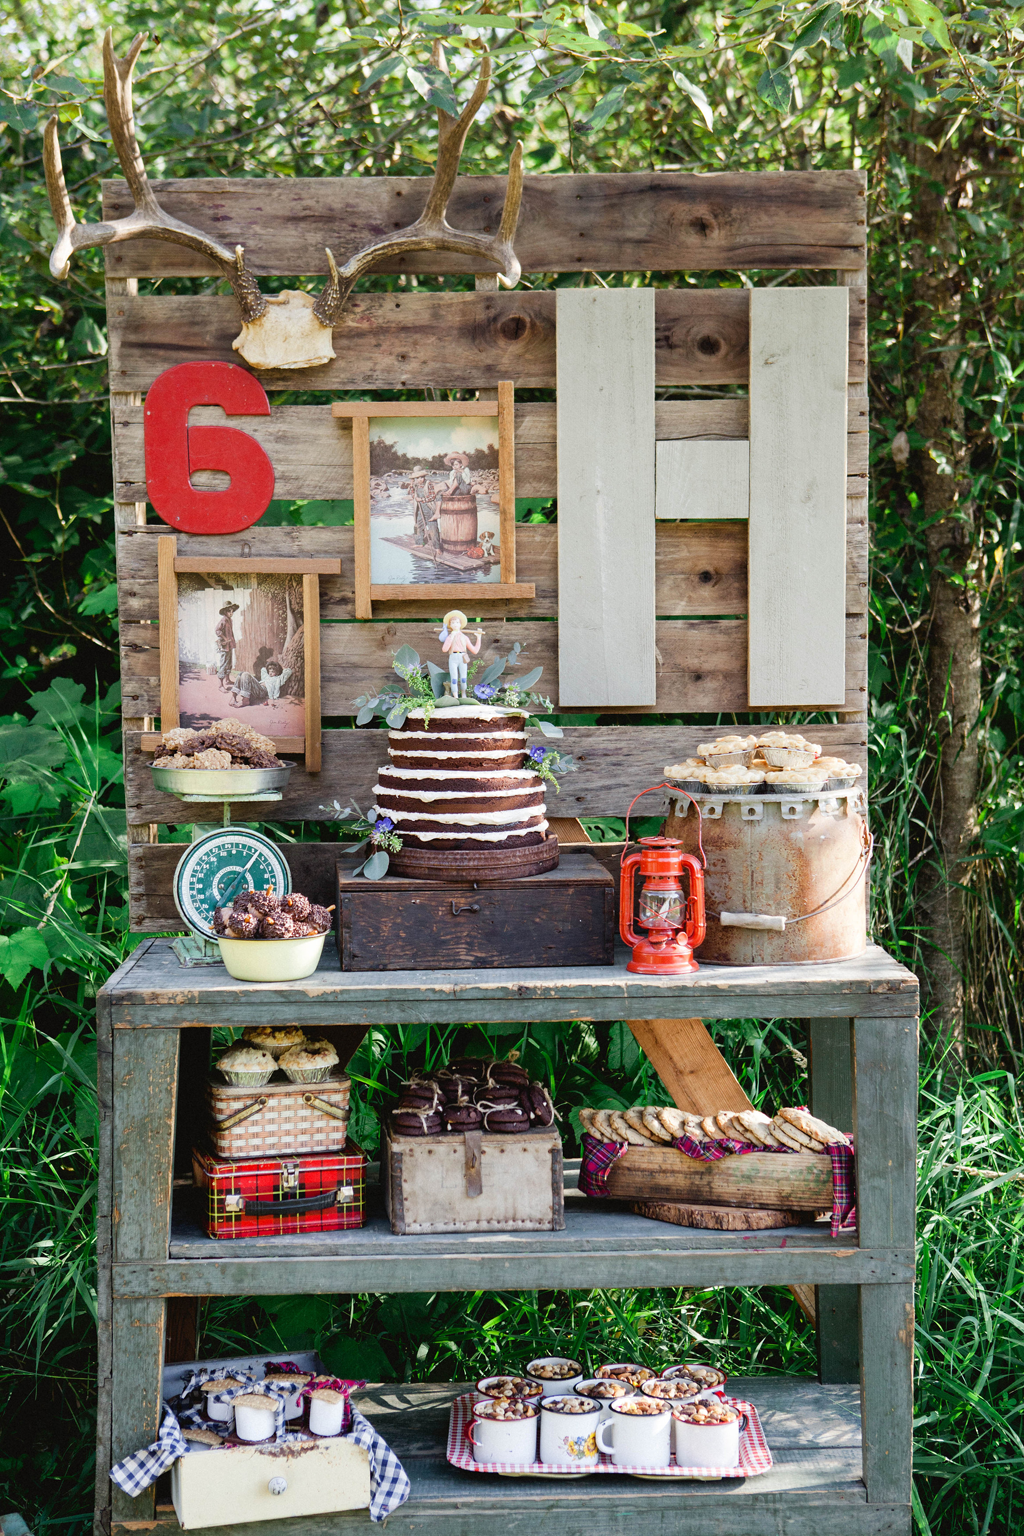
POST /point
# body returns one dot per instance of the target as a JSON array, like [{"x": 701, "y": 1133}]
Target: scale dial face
[{"x": 214, "y": 870}]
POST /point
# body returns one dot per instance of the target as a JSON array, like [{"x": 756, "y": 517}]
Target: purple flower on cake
[
  {"x": 485, "y": 690},
  {"x": 537, "y": 754},
  {"x": 383, "y": 824}
]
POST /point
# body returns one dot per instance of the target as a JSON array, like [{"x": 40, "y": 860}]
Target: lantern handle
[{"x": 676, "y": 791}]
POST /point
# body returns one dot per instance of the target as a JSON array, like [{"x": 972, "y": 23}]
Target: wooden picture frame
[
  {"x": 170, "y": 565},
  {"x": 469, "y": 592}
]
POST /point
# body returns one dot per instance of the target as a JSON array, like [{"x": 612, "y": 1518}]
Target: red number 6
[{"x": 174, "y": 450}]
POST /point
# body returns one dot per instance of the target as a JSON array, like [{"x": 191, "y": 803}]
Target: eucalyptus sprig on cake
[{"x": 424, "y": 685}]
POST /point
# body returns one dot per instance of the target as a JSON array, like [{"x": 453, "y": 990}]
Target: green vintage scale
[{"x": 217, "y": 865}]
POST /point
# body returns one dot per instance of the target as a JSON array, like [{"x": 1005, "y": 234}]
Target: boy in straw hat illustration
[
  {"x": 224, "y": 638},
  {"x": 455, "y": 646}
]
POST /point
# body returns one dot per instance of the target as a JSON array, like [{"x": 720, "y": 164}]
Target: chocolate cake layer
[
  {"x": 390, "y": 800},
  {"x": 466, "y": 844},
  {"x": 461, "y": 718},
  {"x": 469, "y": 760}
]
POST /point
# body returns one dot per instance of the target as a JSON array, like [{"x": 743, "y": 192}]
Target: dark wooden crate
[{"x": 564, "y": 917}]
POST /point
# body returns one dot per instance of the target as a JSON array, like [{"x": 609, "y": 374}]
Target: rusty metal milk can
[{"x": 785, "y": 876}]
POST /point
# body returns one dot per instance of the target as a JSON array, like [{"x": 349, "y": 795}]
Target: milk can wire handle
[{"x": 675, "y": 790}]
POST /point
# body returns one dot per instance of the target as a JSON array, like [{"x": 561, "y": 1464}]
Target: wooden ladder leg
[
  {"x": 700, "y": 1081},
  {"x": 137, "y": 1360},
  {"x": 836, "y": 1306},
  {"x": 885, "y": 1098}
]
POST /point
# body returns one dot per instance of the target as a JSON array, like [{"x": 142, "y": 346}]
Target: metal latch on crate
[
  {"x": 315, "y": 1102},
  {"x": 764, "y": 921},
  {"x": 474, "y": 1163}
]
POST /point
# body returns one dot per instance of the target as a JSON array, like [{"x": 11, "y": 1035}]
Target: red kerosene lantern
[{"x": 674, "y": 921}]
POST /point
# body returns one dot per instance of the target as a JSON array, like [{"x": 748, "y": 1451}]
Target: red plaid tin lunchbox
[{"x": 268, "y": 1196}]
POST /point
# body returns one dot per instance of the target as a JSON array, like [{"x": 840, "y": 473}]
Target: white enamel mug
[
  {"x": 326, "y": 1411},
  {"x": 255, "y": 1417},
  {"x": 568, "y": 1438},
  {"x": 291, "y": 1384},
  {"x": 509, "y": 1440},
  {"x": 636, "y": 1439},
  {"x": 553, "y": 1384},
  {"x": 701, "y": 1370},
  {"x": 220, "y": 1413},
  {"x": 623, "y": 1390},
  {"x": 707, "y": 1445}
]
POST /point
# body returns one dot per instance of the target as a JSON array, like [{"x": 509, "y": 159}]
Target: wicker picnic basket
[{"x": 279, "y": 1117}]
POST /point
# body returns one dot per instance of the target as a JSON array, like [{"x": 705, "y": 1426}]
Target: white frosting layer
[
  {"x": 465, "y": 712},
  {"x": 437, "y": 757},
  {"x": 483, "y": 837},
  {"x": 454, "y": 773},
  {"x": 446, "y": 794},
  {"x": 466, "y": 818}
]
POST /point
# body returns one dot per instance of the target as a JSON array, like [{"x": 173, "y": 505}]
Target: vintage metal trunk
[
  {"x": 474, "y": 1182},
  {"x": 266, "y": 1197},
  {"x": 801, "y": 857}
]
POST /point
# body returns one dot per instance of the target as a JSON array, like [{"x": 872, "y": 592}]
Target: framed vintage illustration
[
  {"x": 434, "y": 492},
  {"x": 241, "y": 637}
]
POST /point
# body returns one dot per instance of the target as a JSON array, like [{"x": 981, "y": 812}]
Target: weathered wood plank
[
  {"x": 144, "y": 1082},
  {"x": 160, "y": 993},
  {"x": 690, "y": 1065},
  {"x": 311, "y": 450},
  {"x": 632, "y": 222},
  {"x": 700, "y": 569},
  {"x": 703, "y": 479},
  {"x": 612, "y": 761},
  {"x": 764, "y": 1180},
  {"x": 104, "y": 1298},
  {"x": 138, "y": 1352},
  {"x": 445, "y": 340},
  {"x": 754, "y": 1260},
  {"x": 887, "y": 1388},
  {"x": 885, "y": 1105},
  {"x": 606, "y": 645},
  {"x": 831, "y": 1062},
  {"x": 797, "y": 528},
  {"x": 700, "y": 663}
]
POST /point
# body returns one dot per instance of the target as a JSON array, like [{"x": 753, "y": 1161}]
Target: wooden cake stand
[{"x": 476, "y": 867}]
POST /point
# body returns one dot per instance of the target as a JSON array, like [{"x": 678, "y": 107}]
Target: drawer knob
[
  {"x": 278, "y": 1484},
  {"x": 474, "y": 907}
]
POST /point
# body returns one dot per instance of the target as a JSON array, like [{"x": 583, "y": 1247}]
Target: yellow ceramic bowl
[{"x": 272, "y": 959}]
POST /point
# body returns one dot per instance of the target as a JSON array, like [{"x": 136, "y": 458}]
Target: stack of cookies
[{"x": 651, "y": 1125}]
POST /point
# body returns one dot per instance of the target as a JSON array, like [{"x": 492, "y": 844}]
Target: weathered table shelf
[{"x": 813, "y": 1430}]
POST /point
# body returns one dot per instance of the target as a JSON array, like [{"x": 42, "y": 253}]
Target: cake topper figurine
[{"x": 455, "y": 645}]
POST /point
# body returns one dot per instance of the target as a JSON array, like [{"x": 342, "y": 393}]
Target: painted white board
[
  {"x": 702, "y": 479},
  {"x": 605, "y": 375},
  {"x": 797, "y": 526}
]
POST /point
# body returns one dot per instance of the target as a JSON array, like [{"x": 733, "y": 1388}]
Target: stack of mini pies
[{"x": 652, "y": 1125}]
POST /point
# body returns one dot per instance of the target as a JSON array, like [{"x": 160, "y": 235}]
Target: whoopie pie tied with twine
[{"x": 494, "y": 1096}]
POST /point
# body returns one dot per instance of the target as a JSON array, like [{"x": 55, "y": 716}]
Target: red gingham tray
[{"x": 755, "y": 1457}]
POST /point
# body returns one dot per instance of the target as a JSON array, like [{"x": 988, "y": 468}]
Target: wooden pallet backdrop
[{"x": 694, "y": 640}]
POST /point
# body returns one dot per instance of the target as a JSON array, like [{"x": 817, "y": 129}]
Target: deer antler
[
  {"x": 148, "y": 220},
  {"x": 431, "y": 231}
]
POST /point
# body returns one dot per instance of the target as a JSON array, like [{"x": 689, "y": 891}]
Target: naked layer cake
[{"x": 459, "y": 782}]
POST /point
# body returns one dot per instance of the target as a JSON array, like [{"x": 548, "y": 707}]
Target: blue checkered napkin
[
  {"x": 136, "y": 1472},
  {"x": 389, "y": 1486},
  {"x": 258, "y": 1389}
]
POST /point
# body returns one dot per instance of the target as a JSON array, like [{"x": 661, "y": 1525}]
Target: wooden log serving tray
[
  {"x": 566, "y": 916},
  {"x": 755, "y": 1457},
  {"x": 773, "y": 1181}
]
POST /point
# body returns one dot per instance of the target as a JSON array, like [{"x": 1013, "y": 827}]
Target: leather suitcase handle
[
  {"x": 324, "y": 1106},
  {"x": 292, "y": 1207},
  {"x": 245, "y": 1113}
]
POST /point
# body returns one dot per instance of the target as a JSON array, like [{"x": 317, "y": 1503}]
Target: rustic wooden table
[{"x": 836, "y": 1471}]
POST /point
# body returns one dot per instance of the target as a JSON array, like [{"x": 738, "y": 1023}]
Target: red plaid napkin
[
  {"x": 345, "y": 1387},
  {"x": 598, "y": 1157}
]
